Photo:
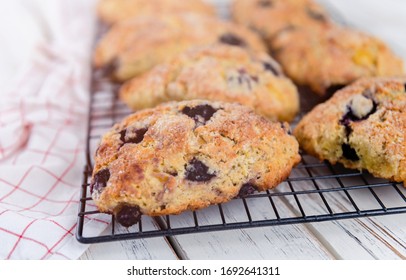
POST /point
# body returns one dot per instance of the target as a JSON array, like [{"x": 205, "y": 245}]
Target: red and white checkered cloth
[{"x": 42, "y": 139}]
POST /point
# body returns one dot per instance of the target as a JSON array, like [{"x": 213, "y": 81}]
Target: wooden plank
[
  {"x": 365, "y": 238},
  {"x": 279, "y": 242},
  {"x": 140, "y": 249}
]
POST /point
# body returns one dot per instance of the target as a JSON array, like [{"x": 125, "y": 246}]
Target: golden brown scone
[
  {"x": 111, "y": 11},
  {"x": 363, "y": 126},
  {"x": 270, "y": 17},
  {"x": 335, "y": 57},
  {"x": 219, "y": 73},
  {"x": 187, "y": 156},
  {"x": 135, "y": 46}
]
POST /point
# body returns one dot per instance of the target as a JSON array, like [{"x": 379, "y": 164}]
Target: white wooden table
[{"x": 381, "y": 237}]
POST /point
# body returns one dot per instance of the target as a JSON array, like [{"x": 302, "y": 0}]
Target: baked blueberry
[
  {"x": 133, "y": 137},
  {"x": 128, "y": 215},
  {"x": 197, "y": 171},
  {"x": 100, "y": 180},
  {"x": 201, "y": 114},
  {"x": 241, "y": 79},
  {"x": 232, "y": 39},
  {"x": 265, "y": 3},
  {"x": 349, "y": 152},
  {"x": 269, "y": 67},
  {"x": 316, "y": 15},
  {"x": 359, "y": 109},
  {"x": 246, "y": 190}
]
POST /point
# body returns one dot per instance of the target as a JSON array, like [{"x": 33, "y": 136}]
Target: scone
[
  {"x": 333, "y": 58},
  {"x": 219, "y": 73},
  {"x": 362, "y": 126},
  {"x": 187, "y": 156},
  {"x": 111, "y": 11},
  {"x": 270, "y": 17},
  {"x": 135, "y": 46}
]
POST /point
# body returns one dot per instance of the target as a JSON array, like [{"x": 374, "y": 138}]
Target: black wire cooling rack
[{"x": 314, "y": 192}]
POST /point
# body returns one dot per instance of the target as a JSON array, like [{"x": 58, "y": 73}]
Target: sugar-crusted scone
[
  {"x": 362, "y": 126},
  {"x": 111, "y": 11},
  {"x": 270, "y": 17},
  {"x": 334, "y": 57},
  {"x": 135, "y": 46},
  {"x": 219, "y": 73},
  {"x": 186, "y": 156}
]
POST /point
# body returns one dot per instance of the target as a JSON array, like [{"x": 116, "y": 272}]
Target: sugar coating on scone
[
  {"x": 363, "y": 126},
  {"x": 134, "y": 46},
  {"x": 219, "y": 73},
  {"x": 186, "y": 156},
  {"x": 111, "y": 11},
  {"x": 335, "y": 57},
  {"x": 271, "y": 17}
]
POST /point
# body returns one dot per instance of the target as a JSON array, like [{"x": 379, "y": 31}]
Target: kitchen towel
[{"x": 43, "y": 113}]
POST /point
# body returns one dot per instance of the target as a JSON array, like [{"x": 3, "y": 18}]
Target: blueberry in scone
[
  {"x": 111, "y": 11},
  {"x": 363, "y": 126},
  {"x": 188, "y": 155},
  {"x": 219, "y": 73},
  {"x": 134, "y": 46}
]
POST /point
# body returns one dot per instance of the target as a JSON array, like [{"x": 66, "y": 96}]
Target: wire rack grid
[{"x": 314, "y": 192}]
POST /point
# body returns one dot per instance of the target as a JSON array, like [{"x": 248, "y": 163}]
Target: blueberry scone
[
  {"x": 363, "y": 126},
  {"x": 187, "y": 156},
  {"x": 111, "y": 11},
  {"x": 333, "y": 58},
  {"x": 270, "y": 17},
  {"x": 219, "y": 73},
  {"x": 134, "y": 46}
]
